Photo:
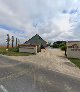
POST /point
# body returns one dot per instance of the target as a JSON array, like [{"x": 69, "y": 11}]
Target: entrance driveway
[
  {"x": 51, "y": 59},
  {"x": 45, "y": 72}
]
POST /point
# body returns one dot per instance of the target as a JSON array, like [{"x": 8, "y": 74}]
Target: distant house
[{"x": 36, "y": 40}]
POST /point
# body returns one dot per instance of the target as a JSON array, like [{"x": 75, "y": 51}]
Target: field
[
  {"x": 75, "y": 61},
  {"x": 12, "y": 52}
]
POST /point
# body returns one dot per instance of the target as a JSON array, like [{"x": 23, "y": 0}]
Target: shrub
[
  {"x": 59, "y": 44},
  {"x": 64, "y": 47},
  {"x": 14, "y": 49}
]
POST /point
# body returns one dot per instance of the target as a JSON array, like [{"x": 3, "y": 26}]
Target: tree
[
  {"x": 12, "y": 41},
  {"x": 16, "y": 42},
  {"x": 8, "y": 40}
]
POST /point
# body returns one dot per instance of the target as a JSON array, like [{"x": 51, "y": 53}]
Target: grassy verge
[
  {"x": 13, "y": 52},
  {"x": 75, "y": 61}
]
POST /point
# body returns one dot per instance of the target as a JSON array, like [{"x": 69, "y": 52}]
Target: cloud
[{"x": 51, "y": 19}]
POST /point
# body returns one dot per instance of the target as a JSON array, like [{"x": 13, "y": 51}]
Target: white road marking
[{"x": 3, "y": 88}]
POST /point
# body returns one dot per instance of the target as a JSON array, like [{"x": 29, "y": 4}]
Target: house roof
[{"x": 36, "y": 40}]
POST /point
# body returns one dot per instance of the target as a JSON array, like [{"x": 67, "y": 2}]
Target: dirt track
[{"x": 52, "y": 59}]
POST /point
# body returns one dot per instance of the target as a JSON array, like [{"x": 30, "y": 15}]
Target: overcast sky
[{"x": 51, "y": 19}]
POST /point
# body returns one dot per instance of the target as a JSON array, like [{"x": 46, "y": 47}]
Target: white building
[{"x": 28, "y": 48}]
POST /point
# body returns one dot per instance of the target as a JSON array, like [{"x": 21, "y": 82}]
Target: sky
[{"x": 53, "y": 20}]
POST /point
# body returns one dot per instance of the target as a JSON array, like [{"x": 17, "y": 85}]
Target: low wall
[
  {"x": 73, "y": 49},
  {"x": 29, "y": 49}
]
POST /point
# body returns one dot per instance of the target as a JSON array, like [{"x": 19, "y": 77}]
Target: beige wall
[
  {"x": 73, "y": 49},
  {"x": 28, "y": 49}
]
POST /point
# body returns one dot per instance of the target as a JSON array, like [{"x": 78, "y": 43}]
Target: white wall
[
  {"x": 28, "y": 49},
  {"x": 73, "y": 52}
]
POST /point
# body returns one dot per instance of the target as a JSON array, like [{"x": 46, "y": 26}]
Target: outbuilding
[
  {"x": 28, "y": 48},
  {"x": 38, "y": 41},
  {"x": 33, "y": 45}
]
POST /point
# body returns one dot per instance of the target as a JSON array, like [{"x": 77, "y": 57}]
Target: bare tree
[
  {"x": 12, "y": 41},
  {"x": 16, "y": 42},
  {"x": 8, "y": 40}
]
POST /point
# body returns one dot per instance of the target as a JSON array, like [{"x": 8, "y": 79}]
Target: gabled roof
[{"x": 36, "y": 40}]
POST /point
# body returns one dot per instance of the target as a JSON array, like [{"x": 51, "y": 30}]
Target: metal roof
[{"x": 36, "y": 40}]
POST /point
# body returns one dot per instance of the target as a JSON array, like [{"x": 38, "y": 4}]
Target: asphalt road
[{"x": 26, "y": 77}]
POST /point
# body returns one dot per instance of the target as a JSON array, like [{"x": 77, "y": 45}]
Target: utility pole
[
  {"x": 8, "y": 40},
  {"x": 12, "y": 41}
]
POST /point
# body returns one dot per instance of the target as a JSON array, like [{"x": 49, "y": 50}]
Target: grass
[
  {"x": 13, "y": 52},
  {"x": 75, "y": 61}
]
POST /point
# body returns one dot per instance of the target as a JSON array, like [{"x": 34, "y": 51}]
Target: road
[
  {"x": 52, "y": 59},
  {"x": 18, "y": 76}
]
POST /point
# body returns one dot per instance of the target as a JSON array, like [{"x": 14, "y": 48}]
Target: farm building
[
  {"x": 73, "y": 49},
  {"x": 33, "y": 45},
  {"x": 36, "y": 40},
  {"x": 28, "y": 48}
]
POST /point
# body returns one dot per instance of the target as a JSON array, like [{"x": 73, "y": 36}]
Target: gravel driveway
[{"x": 52, "y": 59}]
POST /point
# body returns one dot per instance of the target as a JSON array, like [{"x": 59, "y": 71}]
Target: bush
[
  {"x": 55, "y": 45},
  {"x": 59, "y": 44},
  {"x": 14, "y": 49},
  {"x": 63, "y": 48}
]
